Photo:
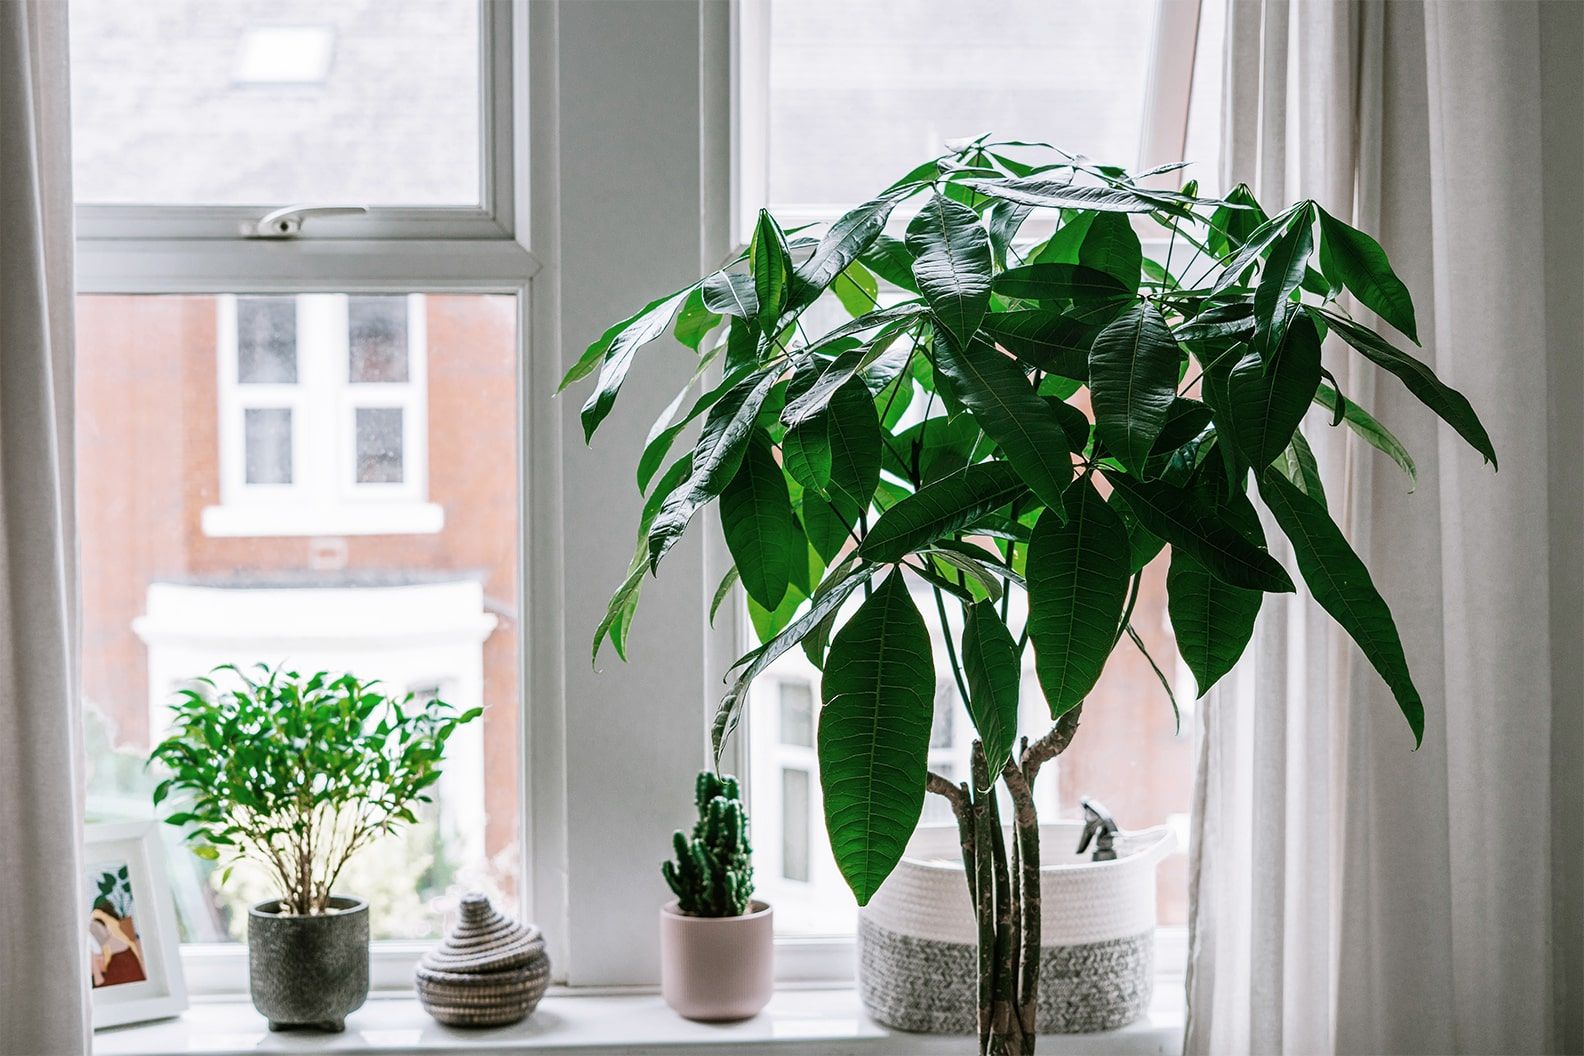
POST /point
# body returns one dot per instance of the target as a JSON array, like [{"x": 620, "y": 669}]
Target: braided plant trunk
[{"x": 1004, "y": 884}]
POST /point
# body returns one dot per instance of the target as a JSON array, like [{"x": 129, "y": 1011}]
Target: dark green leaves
[
  {"x": 994, "y": 671},
  {"x": 874, "y": 730},
  {"x": 1055, "y": 284},
  {"x": 853, "y": 433},
  {"x": 1350, "y": 258},
  {"x": 1263, "y": 401},
  {"x": 1342, "y": 586},
  {"x": 1451, "y": 405},
  {"x": 1045, "y": 339},
  {"x": 941, "y": 508},
  {"x": 1077, "y": 580},
  {"x": 1212, "y": 620},
  {"x": 1190, "y": 520},
  {"x": 1373, "y": 432},
  {"x": 951, "y": 263},
  {"x": 1284, "y": 270},
  {"x": 1132, "y": 381},
  {"x": 1110, "y": 245},
  {"x": 849, "y": 236},
  {"x": 1060, "y": 194},
  {"x": 1004, "y": 404},
  {"x": 615, "y": 350},
  {"x": 772, "y": 270},
  {"x": 756, "y": 516}
]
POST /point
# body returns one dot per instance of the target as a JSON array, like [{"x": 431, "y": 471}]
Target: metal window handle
[
  {"x": 1100, "y": 827},
  {"x": 287, "y": 222}
]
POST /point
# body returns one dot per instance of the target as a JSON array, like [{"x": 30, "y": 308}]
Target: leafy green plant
[
  {"x": 299, "y": 774},
  {"x": 991, "y": 415},
  {"x": 712, "y": 875},
  {"x": 115, "y": 892}
]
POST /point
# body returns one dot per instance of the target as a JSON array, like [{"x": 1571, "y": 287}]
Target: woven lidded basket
[
  {"x": 917, "y": 940},
  {"x": 490, "y": 971}
]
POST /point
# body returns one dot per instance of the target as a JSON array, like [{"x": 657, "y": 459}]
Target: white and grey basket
[{"x": 917, "y": 940}]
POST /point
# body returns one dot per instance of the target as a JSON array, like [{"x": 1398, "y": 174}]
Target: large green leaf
[
  {"x": 1231, "y": 227},
  {"x": 756, "y": 517},
  {"x": 853, "y": 432},
  {"x": 1211, "y": 620},
  {"x": 1297, "y": 463},
  {"x": 806, "y": 454},
  {"x": 1350, "y": 258},
  {"x": 772, "y": 270},
  {"x": 1002, "y": 401},
  {"x": 1265, "y": 400},
  {"x": 1045, "y": 339},
  {"x": 1190, "y": 520},
  {"x": 849, "y": 236},
  {"x": 621, "y": 342},
  {"x": 1451, "y": 405},
  {"x": 667, "y": 426},
  {"x": 994, "y": 673},
  {"x": 1077, "y": 582},
  {"x": 716, "y": 456},
  {"x": 1342, "y": 585},
  {"x": 732, "y": 293},
  {"x": 877, "y": 704},
  {"x": 1373, "y": 432},
  {"x": 890, "y": 259},
  {"x": 1060, "y": 194},
  {"x": 1283, "y": 271},
  {"x": 695, "y": 320},
  {"x": 1112, "y": 246},
  {"x": 941, "y": 508},
  {"x": 1054, "y": 284},
  {"x": 1132, "y": 382},
  {"x": 1259, "y": 241},
  {"x": 951, "y": 263}
]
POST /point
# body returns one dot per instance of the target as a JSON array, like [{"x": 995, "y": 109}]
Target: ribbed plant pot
[
  {"x": 717, "y": 968},
  {"x": 309, "y": 971},
  {"x": 917, "y": 938}
]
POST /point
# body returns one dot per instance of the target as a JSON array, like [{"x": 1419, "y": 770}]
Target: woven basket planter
[
  {"x": 918, "y": 943},
  {"x": 488, "y": 972}
]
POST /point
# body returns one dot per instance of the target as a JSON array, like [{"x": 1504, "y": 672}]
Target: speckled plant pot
[{"x": 309, "y": 972}]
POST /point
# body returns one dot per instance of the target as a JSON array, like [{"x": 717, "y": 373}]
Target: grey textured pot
[{"x": 309, "y": 971}]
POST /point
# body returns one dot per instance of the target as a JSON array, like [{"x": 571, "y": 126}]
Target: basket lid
[{"x": 485, "y": 940}]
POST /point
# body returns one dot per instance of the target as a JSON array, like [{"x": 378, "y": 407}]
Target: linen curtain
[
  {"x": 1350, "y": 894},
  {"x": 43, "y": 1002}
]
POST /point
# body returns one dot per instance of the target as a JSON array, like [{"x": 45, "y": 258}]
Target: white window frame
[{"x": 324, "y": 496}]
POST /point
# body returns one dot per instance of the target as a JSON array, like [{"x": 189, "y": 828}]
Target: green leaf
[
  {"x": 994, "y": 673},
  {"x": 806, "y": 454},
  {"x": 890, "y": 259},
  {"x": 854, "y": 232},
  {"x": 1045, "y": 339},
  {"x": 1297, "y": 464},
  {"x": 853, "y": 431},
  {"x": 1373, "y": 432},
  {"x": 1258, "y": 243},
  {"x": 771, "y": 261},
  {"x": 695, "y": 320},
  {"x": 996, "y": 392},
  {"x": 1212, "y": 620},
  {"x": 731, "y": 293},
  {"x": 1111, "y": 246},
  {"x": 1188, "y": 519},
  {"x": 1054, "y": 284},
  {"x": 874, "y": 731},
  {"x": 940, "y": 509},
  {"x": 1132, "y": 382},
  {"x": 1077, "y": 583},
  {"x": 1452, "y": 406},
  {"x": 826, "y": 531},
  {"x": 856, "y": 289},
  {"x": 1350, "y": 258},
  {"x": 1230, "y": 228},
  {"x": 1265, "y": 400},
  {"x": 1060, "y": 194},
  {"x": 1234, "y": 320},
  {"x": 756, "y": 517},
  {"x": 1063, "y": 246},
  {"x": 1283, "y": 271},
  {"x": 666, "y": 428},
  {"x": 951, "y": 263},
  {"x": 619, "y": 345},
  {"x": 1342, "y": 585}
]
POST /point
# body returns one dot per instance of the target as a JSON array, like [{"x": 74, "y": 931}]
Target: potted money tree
[
  {"x": 296, "y": 775},
  {"x": 983, "y": 415}
]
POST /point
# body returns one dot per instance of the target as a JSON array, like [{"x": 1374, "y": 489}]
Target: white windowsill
[
  {"x": 808, "y": 1022},
  {"x": 375, "y": 518}
]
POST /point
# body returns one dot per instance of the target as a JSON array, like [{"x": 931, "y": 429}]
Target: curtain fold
[
  {"x": 43, "y": 1000},
  {"x": 1349, "y": 893}
]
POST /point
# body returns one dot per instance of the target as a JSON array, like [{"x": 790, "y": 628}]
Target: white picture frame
[{"x": 129, "y": 926}]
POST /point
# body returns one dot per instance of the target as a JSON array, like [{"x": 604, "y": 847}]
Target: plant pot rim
[
  {"x": 757, "y": 908},
  {"x": 349, "y": 905}
]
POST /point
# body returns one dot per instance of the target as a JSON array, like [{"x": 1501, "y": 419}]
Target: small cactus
[{"x": 712, "y": 875}]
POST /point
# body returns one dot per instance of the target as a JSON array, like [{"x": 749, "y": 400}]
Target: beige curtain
[
  {"x": 43, "y": 1006},
  {"x": 1350, "y": 894}
]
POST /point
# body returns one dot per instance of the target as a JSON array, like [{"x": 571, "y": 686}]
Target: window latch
[{"x": 287, "y": 222}]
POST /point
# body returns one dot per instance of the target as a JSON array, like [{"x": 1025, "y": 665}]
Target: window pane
[
  {"x": 266, "y": 340},
  {"x": 795, "y": 824},
  {"x": 164, "y": 601},
  {"x": 377, "y": 339},
  {"x": 379, "y": 445},
  {"x": 862, "y": 92},
  {"x": 267, "y": 445},
  {"x": 273, "y": 102},
  {"x": 797, "y": 714}
]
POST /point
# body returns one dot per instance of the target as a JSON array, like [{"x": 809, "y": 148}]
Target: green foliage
[
  {"x": 956, "y": 432},
  {"x": 712, "y": 874},
  {"x": 298, "y": 774}
]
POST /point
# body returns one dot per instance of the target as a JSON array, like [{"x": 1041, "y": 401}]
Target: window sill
[
  {"x": 803, "y": 1021},
  {"x": 375, "y": 518}
]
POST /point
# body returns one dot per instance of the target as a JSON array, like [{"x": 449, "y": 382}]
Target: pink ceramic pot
[{"x": 717, "y": 968}]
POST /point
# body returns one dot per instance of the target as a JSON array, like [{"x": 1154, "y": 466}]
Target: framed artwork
[{"x": 129, "y": 925}]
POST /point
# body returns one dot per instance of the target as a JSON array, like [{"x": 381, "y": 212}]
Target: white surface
[{"x": 806, "y": 1022}]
